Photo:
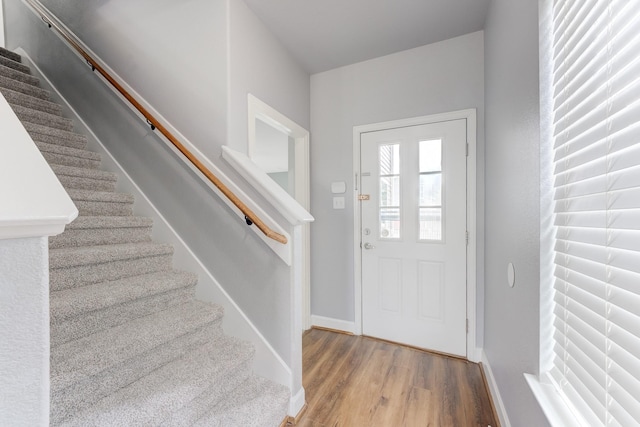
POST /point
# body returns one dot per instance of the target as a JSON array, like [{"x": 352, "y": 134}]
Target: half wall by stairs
[{"x": 130, "y": 345}]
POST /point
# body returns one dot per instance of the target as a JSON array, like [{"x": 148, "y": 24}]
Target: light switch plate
[{"x": 338, "y": 187}]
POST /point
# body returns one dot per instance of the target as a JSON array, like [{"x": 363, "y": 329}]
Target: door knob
[{"x": 368, "y": 246}]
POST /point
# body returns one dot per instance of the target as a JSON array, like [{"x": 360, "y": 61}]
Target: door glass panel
[
  {"x": 430, "y": 190},
  {"x": 389, "y": 185},
  {"x": 431, "y": 155},
  {"x": 430, "y": 223}
]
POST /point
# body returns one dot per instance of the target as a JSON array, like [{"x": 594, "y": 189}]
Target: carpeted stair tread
[
  {"x": 17, "y": 75},
  {"x": 18, "y": 98},
  {"x": 88, "y": 356},
  {"x": 102, "y": 203},
  {"x": 67, "y": 151},
  {"x": 76, "y": 313},
  {"x": 103, "y": 230},
  {"x": 25, "y": 88},
  {"x": 26, "y": 114},
  {"x": 75, "y": 302},
  {"x": 61, "y": 170},
  {"x": 55, "y": 136},
  {"x": 67, "y": 156},
  {"x": 151, "y": 400},
  {"x": 16, "y": 65},
  {"x": 82, "y": 266},
  {"x": 255, "y": 403},
  {"x": 100, "y": 196},
  {"x": 85, "y": 179},
  {"x": 71, "y": 257},
  {"x": 10, "y": 55}
]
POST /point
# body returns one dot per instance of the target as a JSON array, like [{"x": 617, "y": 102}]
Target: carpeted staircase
[{"x": 129, "y": 343}]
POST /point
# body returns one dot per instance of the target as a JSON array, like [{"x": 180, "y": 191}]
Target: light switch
[{"x": 338, "y": 203}]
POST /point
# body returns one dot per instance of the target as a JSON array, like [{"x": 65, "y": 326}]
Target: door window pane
[
  {"x": 389, "y": 155},
  {"x": 390, "y": 223},
  {"x": 389, "y": 191},
  {"x": 430, "y": 190},
  {"x": 389, "y": 185},
  {"x": 430, "y": 223},
  {"x": 431, "y": 155}
]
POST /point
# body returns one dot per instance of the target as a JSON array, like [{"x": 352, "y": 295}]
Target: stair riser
[
  {"x": 70, "y": 277},
  {"x": 19, "y": 76},
  {"x": 89, "y": 208},
  {"x": 95, "y": 321},
  {"x": 17, "y": 98},
  {"x": 80, "y": 183},
  {"x": 84, "y": 394},
  {"x": 14, "y": 64},
  {"x": 77, "y": 162},
  {"x": 91, "y": 237},
  {"x": 25, "y": 88},
  {"x": 44, "y": 119}
]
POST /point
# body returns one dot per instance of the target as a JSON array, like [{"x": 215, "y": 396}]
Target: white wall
[
  {"x": 24, "y": 332},
  {"x": 436, "y": 78},
  {"x": 512, "y": 203}
]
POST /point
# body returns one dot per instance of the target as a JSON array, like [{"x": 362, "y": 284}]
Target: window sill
[{"x": 553, "y": 405}]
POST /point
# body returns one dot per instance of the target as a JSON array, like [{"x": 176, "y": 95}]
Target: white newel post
[
  {"x": 297, "y": 401},
  {"x": 33, "y": 206}
]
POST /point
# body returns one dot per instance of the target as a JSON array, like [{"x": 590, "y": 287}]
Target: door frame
[
  {"x": 257, "y": 109},
  {"x": 470, "y": 116}
]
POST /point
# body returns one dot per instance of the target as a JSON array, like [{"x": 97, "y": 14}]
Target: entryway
[{"x": 413, "y": 232}]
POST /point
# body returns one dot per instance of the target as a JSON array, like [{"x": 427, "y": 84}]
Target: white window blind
[{"x": 596, "y": 167}]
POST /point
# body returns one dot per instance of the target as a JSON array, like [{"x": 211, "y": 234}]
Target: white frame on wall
[
  {"x": 473, "y": 353},
  {"x": 258, "y": 109}
]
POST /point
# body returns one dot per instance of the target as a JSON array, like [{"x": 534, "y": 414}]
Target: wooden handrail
[{"x": 250, "y": 216}]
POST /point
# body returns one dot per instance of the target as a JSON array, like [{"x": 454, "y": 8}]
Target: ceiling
[{"x": 326, "y": 34}]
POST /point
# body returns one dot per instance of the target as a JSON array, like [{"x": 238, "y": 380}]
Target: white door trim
[
  {"x": 259, "y": 109},
  {"x": 470, "y": 116}
]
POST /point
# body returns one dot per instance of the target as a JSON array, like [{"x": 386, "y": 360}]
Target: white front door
[{"x": 414, "y": 235}]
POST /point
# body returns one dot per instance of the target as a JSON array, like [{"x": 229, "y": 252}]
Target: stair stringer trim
[{"x": 267, "y": 362}]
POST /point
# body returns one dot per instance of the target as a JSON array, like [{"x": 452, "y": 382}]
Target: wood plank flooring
[{"x": 354, "y": 381}]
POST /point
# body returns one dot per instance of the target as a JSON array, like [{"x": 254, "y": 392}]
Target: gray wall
[
  {"x": 432, "y": 79},
  {"x": 174, "y": 54},
  {"x": 258, "y": 64},
  {"x": 249, "y": 271},
  {"x": 512, "y": 203}
]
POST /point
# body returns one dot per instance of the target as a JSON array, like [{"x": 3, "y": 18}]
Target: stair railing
[{"x": 250, "y": 217}]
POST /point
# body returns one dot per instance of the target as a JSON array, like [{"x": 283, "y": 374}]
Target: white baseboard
[
  {"x": 495, "y": 392},
  {"x": 331, "y": 323},
  {"x": 267, "y": 363}
]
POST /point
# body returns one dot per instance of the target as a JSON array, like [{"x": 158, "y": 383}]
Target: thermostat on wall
[{"x": 339, "y": 187}]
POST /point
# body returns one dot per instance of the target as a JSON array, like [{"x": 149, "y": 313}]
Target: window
[
  {"x": 596, "y": 218},
  {"x": 389, "y": 210},
  {"x": 430, "y": 189}
]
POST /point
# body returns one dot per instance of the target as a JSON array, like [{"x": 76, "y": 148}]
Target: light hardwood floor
[{"x": 354, "y": 381}]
